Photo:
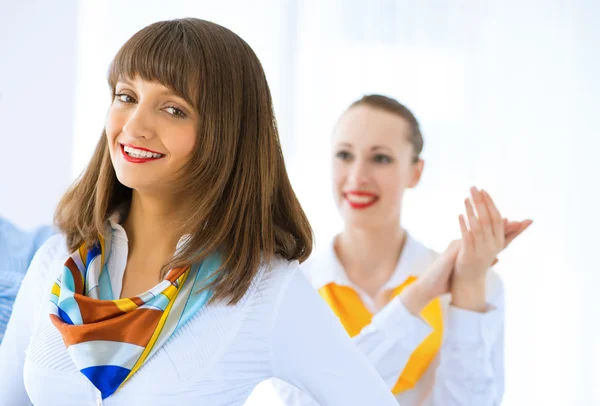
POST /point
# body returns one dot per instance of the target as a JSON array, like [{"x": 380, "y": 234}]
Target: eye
[
  {"x": 382, "y": 159},
  {"x": 124, "y": 98},
  {"x": 344, "y": 155},
  {"x": 175, "y": 112}
]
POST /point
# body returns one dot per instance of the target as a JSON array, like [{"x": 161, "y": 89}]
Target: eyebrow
[
  {"x": 373, "y": 148},
  {"x": 165, "y": 92},
  {"x": 123, "y": 79},
  {"x": 376, "y": 147}
]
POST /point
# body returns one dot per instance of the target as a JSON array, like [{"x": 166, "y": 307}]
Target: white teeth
[
  {"x": 138, "y": 153},
  {"x": 360, "y": 199}
]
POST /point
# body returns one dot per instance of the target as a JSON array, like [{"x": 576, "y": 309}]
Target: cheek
[
  {"x": 113, "y": 125},
  {"x": 339, "y": 173},
  {"x": 183, "y": 146},
  {"x": 391, "y": 184}
]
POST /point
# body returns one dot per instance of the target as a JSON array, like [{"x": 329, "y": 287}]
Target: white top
[
  {"x": 281, "y": 328},
  {"x": 469, "y": 370}
]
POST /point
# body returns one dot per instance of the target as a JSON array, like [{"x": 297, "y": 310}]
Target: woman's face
[
  {"x": 151, "y": 134},
  {"x": 372, "y": 166}
]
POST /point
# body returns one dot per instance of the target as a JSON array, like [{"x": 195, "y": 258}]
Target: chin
[
  {"x": 361, "y": 220},
  {"x": 132, "y": 181}
]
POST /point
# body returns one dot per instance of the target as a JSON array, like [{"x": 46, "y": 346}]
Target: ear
[{"x": 417, "y": 171}]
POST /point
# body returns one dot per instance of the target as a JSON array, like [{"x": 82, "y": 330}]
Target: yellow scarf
[{"x": 354, "y": 316}]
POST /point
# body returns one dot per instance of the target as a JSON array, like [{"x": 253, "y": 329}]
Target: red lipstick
[
  {"x": 363, "y": 203},
  {"x": 137, "y": 160}
]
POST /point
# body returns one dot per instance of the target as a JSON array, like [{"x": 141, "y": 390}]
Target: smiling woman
[
  {"x": 175, "y": 279},
  {"x": 431, "y": 324}
]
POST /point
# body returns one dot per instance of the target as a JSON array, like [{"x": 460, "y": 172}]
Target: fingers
[
  {"x": 522, "y": 226},
  {"x": 474, "y": 225},
  {"x": 464, "y": 231},
  {"x": 444, "y": 263},
  {"x": 511, "y": 227},
  {"x": 454, "y": 250},
  {"x": 485, "y": 221},
  {"x": 496, "y": 219},
  {"x": 453, "y": 246}
]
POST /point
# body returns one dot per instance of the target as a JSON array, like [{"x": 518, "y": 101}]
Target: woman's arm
[
  {"x": 28, "y": 308},
  {"x": 312, "y": 351},
  {"x": 471, "y": 368}
]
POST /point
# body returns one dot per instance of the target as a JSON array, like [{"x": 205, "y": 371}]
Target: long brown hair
[
  {"x": 241, "y": 203},
  {"x": 393, "y": 106}
]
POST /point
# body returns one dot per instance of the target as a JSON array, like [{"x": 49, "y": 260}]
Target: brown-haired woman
[
  {"x": 431, "y": 325},
  {"x": 175, "y": 279}
]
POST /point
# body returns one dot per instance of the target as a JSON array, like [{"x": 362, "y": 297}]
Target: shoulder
[
  {"x": 277, "y": 283},
  {"x": 273, "y": 278},
  {"x": 48, "y": 260},
  {"x": 289, "y": 303},
  {"x": 53, "y": 249},
  {"x": 42, "y": 234},
  {"x": 268, "y": 296}
]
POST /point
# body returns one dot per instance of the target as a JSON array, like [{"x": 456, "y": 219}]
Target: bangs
[{"x": 160, "y": 53}]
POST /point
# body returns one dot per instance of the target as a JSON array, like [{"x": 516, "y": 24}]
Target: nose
[
  {"x": 359, "y": 173},
  {"x": 140, "y": 123}
]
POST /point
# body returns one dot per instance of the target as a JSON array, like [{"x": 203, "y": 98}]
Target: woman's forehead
[{"x": 364, "y": 126}]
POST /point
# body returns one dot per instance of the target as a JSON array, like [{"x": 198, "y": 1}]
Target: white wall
[{"x": 37, "y": 85}]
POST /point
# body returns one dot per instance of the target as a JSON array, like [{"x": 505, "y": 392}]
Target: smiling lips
[
  {"x": 360, "y": 200},
  {"x": 138, "y": 155}
]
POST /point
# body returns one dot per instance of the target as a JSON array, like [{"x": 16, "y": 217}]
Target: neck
[
  {"x": 370, "y": 256},
  {"x": 151, "y": 224}
]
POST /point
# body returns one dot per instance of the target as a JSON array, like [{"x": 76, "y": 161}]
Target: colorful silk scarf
[
  {"x": 109, "y": 338},
  {"x": 354, "y": 316}
]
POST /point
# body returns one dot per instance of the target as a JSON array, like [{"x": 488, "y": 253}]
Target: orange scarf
[{"x": 354, "y": 316}]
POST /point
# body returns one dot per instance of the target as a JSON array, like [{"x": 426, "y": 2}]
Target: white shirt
[
  {"x": 281, "y": 328},
  {"x": 469, "y": 369}
]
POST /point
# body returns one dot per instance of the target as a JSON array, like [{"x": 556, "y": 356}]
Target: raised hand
[
  {"x": 485, "y": 236},
  {"x": 462, "y": 268}
]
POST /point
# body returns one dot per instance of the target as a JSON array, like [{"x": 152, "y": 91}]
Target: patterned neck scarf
[{"x": 109, "y": 338}]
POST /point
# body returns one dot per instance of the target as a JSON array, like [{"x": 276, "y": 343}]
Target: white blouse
[
  {"x": 469, "y": 369},
  {"x": 281, "y": 328}
]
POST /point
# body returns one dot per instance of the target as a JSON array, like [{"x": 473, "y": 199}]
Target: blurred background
[{"x": 506, "y": 93}]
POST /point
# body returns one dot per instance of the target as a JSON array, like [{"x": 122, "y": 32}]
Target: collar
[{"x": 326, "y": 268}]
